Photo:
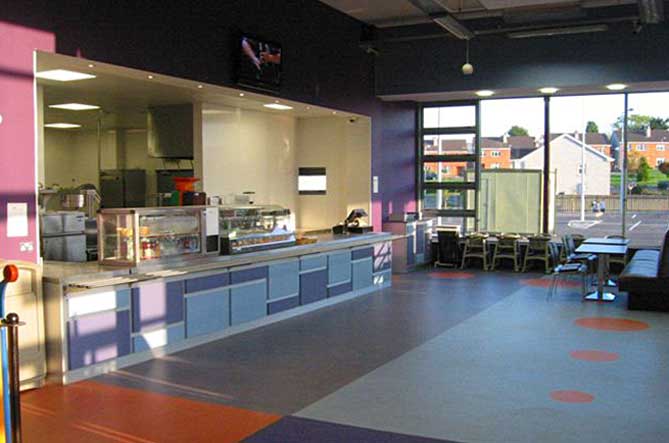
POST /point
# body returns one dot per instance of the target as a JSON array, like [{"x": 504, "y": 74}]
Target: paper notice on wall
[
  {"x": 17, "y": 219},
  {"x": 211, "y": 219}
]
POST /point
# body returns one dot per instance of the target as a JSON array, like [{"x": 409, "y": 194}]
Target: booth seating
[{"x": 646, "y": 279}]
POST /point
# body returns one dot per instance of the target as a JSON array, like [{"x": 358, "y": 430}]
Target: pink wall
[{"x": 17, "y": 132}]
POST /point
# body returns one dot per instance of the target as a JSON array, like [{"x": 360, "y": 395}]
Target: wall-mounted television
[{"x": 259, "y": 63}]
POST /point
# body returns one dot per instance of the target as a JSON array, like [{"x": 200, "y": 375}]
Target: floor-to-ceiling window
[
  {"x": 585, "y": 161},
  {"x": 448, "y": 170}
]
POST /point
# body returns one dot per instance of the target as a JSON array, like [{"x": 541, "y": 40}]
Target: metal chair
[
  {"x": 476, "y": 246},
  {"x": 618, "y": 259},
  {"x": 538, "y": 249},
  {"x": 567, "y": 269},
  {"x": 507, "y": 248},
  {"x": 449, "y": 248}
]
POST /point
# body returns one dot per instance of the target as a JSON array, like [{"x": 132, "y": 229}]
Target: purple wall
[
  {"x": 323, "y": 65},
  {"x": 17, "y": 132}
]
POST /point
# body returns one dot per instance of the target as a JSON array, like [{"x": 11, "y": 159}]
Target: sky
[{"x": 568, "y": 114}]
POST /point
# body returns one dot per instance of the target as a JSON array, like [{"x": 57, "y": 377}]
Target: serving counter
[{"x": 100, "y": 318}]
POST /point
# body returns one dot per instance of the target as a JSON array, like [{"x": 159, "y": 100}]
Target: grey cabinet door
[{"x": 248, "y": 302}]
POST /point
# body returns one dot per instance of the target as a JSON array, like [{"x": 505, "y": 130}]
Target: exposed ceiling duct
[
  {"x": 439, "y": 14},
  {"x": 651, "y": 11}
]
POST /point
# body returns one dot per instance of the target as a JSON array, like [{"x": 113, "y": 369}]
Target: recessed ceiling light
[
  {"x": 91, "y": 65},
  {"x": 485, "y": 93},
  {"x": 549, "y": 90},
  {"x": 75, "y": 107},
  {"x": 62, "y": 125},
  {"x": 63, "y": 75},
  {"x": 241, "y": 94},
  {"x": 308, "y": 107},
  {"x": 200, "y": 86},
  {"x": 150, "y": 77},
  {"x": 278, "y": 106},
  {"x": 334, "y": 112},
  {"x": 616, "y": 87}
]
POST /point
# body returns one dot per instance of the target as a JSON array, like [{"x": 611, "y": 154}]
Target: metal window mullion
[
  {"x": 419, "y": 158},
  {"x": 456, "y": 130},
  {"x": 459, "y": 158},
  {"x": 477, "y": 165}
]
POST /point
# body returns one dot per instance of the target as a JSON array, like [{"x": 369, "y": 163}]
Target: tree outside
[
  {"x": 639, "y": 123},
  {"x": 592, "y": 127},
  {"x": 516, "y": 131},
  {"x": 643, "y": 170}
]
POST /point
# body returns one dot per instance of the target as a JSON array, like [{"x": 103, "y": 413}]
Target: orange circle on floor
[
  {"x": 597, "y": 356},
  {"x": 452, "y": 275},
  {"x": 611, "y": 324},
  {"x": 572, "y": 396},
  {"x": 546, "y": 283}
]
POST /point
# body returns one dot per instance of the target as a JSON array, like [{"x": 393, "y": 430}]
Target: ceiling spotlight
[
  {"x": 200, "y": 86},
  {"x": 278, "y": 106},
  {"x": 62, "y": 125},
  {"x": 485, "y": 93},
  {"x": 616, "y": 87},
  {"x": 63, "y": 75},
  {"x": 75, "y": 107},
  {"x": 241, "y": 94},
  {"x": 549, "y": 90},
  {"x": 150, "y": 77}
]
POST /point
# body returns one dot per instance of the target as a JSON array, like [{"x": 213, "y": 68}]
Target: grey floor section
[
  {"x": 286, "y": 366},
  {"x": 489, "y": 379}
]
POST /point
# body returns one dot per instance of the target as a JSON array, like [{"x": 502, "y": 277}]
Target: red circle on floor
[
  {"x": 546, "y": 283},
  {"x": 452, "y": 275},
  {"x": 572, "y": 396},
  {"x": 611, "y": 324},
  {"x": 597, "y": 356}
]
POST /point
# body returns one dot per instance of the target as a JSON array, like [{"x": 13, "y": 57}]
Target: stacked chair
[
  {"x": 507, "y": 247},
  {"x": 539, "y": 249},
  {"x": 568, "y": 268},
  {"x": 476, "y": 246},
  {"x": 449, "y": 248}
]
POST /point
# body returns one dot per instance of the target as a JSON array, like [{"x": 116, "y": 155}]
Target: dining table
[{"x": 603, "y": 252}]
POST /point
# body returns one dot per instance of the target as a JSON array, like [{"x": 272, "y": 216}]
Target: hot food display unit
[
  {"x": 253, "y": 228},
  {"x": 132, "y": 236}
]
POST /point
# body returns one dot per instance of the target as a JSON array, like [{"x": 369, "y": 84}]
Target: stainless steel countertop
[{"x": 104, "y": 275}]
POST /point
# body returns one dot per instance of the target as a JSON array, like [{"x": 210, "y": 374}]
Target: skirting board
[{"x": 133, "y": 359}]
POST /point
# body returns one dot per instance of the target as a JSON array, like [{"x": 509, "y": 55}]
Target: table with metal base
[{"x": 603, "y": 252}]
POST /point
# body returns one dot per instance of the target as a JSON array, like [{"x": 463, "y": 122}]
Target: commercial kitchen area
[{"x": 174, "y": 213}]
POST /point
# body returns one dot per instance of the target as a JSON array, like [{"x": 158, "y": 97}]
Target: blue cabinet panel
[
  {"x": 284, "y": 279},
  {"x": 155, "y": 304},
  {"x": 313, "y": 286},
  {"x": 362, "y": 253},
  {"x": 98, "y": 337},
  {"x": 313, "y": 262},
  {"x": 420, "y": 238},
  {"x": 248, "y": 274},
  {"x": 362, "y": 274},
  {"x": 339, "y": 267},
  {"x": 411, "y": 251},
  {"x": 207, "y": 313},
  {"x": 158, "y": 338},
  {"x": 248, "y": 302},
  {"x": 334, "y": 291},
  {"x": 283, "y": 305},
  {"x": 208, "y": 282}
]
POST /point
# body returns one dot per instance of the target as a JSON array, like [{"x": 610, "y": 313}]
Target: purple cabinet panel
[
  {"x": 283, "y": 305},
  {"x": 208, "y": 282},
  {"x": 313, "y": 286},
  {"x": 344, "y": 288},
  {"x": 249, "y": 274},
  {"x": 357, "y": 254},
  {"x": 98, "y": 337},
  {"x": 157, "y": 304}
]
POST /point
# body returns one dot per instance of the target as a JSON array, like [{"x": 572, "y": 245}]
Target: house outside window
[
  {"x": 495, "y": 166},
  {"x": 495, "y": 154},
  {"x": 659, "y": 161},
  {"x": 640, "y": 148},
  {"x": 660, "y": 147}
]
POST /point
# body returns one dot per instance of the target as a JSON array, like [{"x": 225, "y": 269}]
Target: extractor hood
[{"x": 171, "y": 131}]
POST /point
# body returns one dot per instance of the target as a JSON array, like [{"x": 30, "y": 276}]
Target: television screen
[{"x": 259, "y": 63}]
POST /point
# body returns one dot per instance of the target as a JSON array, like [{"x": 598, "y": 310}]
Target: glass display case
[
  {"x": 131, "y": 236},
  {"x": 253, "y": 228}
]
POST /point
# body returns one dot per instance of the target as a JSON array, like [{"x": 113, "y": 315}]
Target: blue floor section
[{"x": 301, "y": 430}]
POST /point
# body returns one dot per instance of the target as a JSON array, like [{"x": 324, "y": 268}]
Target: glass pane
[
  {"x": 448, "y": 199},
  {"x": 512, "y": 165},
  {"x": 585, "y": 173},
  {"x": 451, "y": 144},
  {"x": 449, "y": 117},
  {"x": 447, "y": 172},
  {"x": 648, "y": 183}
]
